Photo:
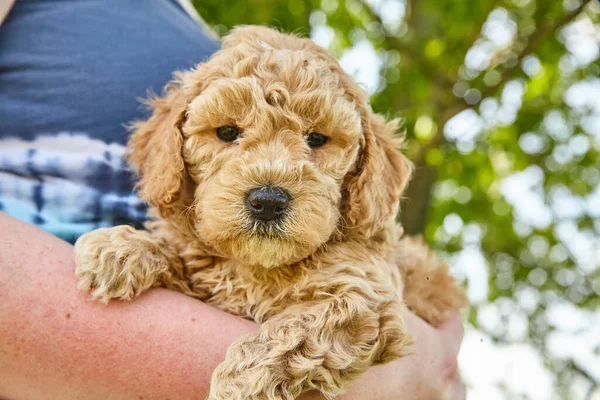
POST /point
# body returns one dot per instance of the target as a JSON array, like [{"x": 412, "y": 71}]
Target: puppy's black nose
[{"x": 268, "y": 203}]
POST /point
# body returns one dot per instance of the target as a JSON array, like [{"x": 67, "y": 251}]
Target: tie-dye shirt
[
  {"x": 71, "y": 75},
  {"x": 67, "y": 183}
]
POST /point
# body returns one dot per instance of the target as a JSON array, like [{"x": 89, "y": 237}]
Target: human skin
[{"x": 56, "y": 343}]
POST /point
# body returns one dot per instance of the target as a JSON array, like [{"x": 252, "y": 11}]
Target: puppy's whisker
[{"x": 186, "y": 211}]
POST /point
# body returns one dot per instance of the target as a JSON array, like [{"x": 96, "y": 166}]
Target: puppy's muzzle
[{"x": 268, "y": 203}]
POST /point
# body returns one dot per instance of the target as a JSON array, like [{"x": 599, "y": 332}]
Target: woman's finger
[
  {"x": 451, "y": 334},
  {"x": 457, "y": 390}
]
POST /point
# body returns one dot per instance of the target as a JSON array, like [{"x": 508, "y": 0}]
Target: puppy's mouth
[
  {"x": 268, "y": 225},
  {"x": 265, "y": 229}
]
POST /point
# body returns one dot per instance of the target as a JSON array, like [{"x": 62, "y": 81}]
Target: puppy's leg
[
  {"x": 122, "y": 262},
  {"x": 429, "y": 289},
  {"x": 323, "y": 344}
]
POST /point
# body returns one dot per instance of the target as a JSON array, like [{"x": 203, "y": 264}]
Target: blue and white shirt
[{"x": 71, "y": 76}]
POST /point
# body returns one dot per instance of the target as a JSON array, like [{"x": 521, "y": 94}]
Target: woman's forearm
[{"x": 56, "y": 343}]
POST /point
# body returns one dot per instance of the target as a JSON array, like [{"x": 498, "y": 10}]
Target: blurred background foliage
[{"x": 501, "y": 103}]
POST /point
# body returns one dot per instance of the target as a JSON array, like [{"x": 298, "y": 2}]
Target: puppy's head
[{"x": 268, "y": 151}]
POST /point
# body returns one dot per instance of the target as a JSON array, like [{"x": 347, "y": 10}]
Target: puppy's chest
[
  {"x": 250, "y": 292},
  {"x": 257, "y": 293}
]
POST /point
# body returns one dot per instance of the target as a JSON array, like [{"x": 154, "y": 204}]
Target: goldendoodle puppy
[{"x": 275, "y": 189}]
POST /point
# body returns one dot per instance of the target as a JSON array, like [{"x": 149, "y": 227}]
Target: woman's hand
[{"x": 429, "y": 373}]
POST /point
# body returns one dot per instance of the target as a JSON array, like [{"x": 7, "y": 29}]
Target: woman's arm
[{"x": 55, "y": 343}]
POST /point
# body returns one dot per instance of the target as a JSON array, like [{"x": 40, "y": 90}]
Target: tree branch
[
  {"x": 419, "y": 190},
  {"x": 472, "y": 38},
  {"x": 535, "y": 40},
  {"x": 410, "y": 6},
  {"x": 439, "y": 138},
  {"x": 427, "y": 65},
  {"x": 586, "y": 375}
]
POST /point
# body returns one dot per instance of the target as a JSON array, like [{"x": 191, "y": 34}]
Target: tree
[{"x": 501, "y": 102}]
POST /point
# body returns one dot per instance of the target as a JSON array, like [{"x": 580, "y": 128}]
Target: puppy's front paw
[
  {"x": 230, "y": 388},
  {"x": 116, "y": 263},
  {"x": 254, "y": 371}
]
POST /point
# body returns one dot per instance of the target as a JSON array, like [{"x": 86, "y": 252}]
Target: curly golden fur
[{"x": 328, "y": 282}]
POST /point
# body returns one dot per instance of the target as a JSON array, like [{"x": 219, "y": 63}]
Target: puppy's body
[{"x": 325, "y": 273}]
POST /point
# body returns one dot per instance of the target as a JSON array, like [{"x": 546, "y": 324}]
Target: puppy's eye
[
  {"x": 228, "y": 133},
  {"x": 315, "y": 139}
]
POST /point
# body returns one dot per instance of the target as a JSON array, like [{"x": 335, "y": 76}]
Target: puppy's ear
[
  {"x": 155, "y": 150},
  {"x": 383, "y": 172}
]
